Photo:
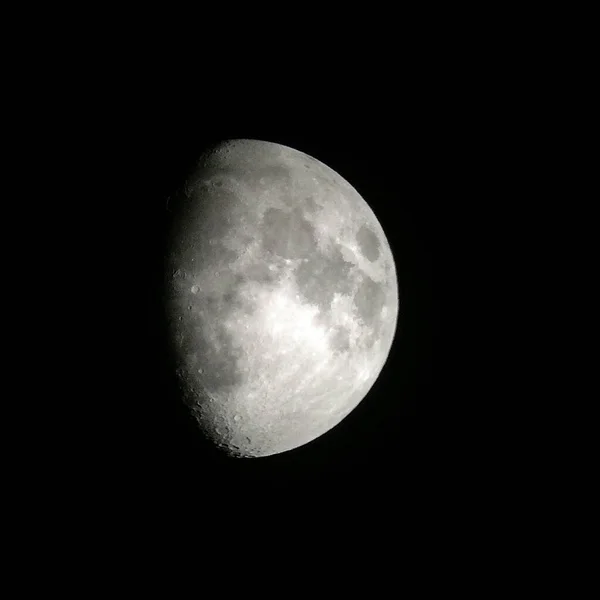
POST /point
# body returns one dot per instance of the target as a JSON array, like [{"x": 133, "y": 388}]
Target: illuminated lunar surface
[{"x": 282, "y": 297}]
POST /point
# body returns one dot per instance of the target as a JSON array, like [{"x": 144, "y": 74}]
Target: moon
[{"x": 282, "y": 297}]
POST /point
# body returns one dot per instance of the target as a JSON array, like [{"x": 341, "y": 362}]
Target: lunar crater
[{"x": 368, "y": 243}]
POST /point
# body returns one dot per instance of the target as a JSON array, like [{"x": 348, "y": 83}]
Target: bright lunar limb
[{"x": 282, "y": 297}]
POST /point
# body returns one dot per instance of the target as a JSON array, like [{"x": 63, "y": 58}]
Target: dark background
[
  {"x": 380, "y": 437},
  {"x": 419, "y": 123},
  {"x": 396, "y": 149}
]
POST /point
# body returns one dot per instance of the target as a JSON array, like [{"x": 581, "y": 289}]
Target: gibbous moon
[{"x": 282, "y": 297}]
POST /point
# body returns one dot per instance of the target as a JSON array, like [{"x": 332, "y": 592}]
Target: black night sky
[
  {"x": 419, "y": 123},
  {"x": 391, "y": 149},
  {"x": 380, "y": 434}
]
